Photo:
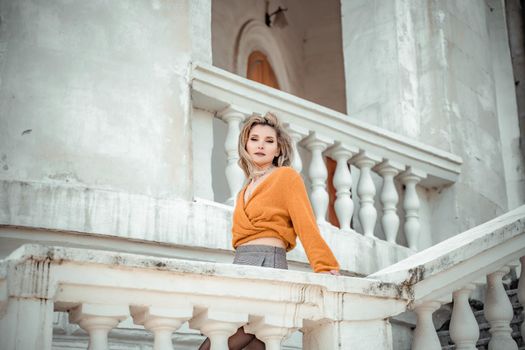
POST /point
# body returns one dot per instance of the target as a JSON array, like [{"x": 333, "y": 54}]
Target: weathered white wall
[
  {"x": 424, "y": 69},
  {"x": 310, "y": 45},
  {"x": 322, "y": 53},
  {"x": 513, "y": 159},
  {"x": 96, "y": 93}
]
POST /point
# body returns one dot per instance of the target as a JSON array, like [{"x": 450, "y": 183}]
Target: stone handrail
[
  {"x": 99, "y": 289},
  {"x": 214, "y": 89},
  {"x": 324, "y": 132},
  {"x": 452, "y": 268}
]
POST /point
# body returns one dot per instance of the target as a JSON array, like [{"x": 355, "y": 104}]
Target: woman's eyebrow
[{"x": 266, "y": 137}]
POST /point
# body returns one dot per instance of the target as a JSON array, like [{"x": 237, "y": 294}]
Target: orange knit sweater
[{"x": 279, "y": 207}]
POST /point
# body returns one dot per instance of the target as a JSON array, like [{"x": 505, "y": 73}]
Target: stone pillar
[
  {"x": 318, "y": 174},
  {"x": 98, "y": 320},
  {"x": 234, "y": 174},
  {"x": 389, "y": 198},
  {"x": 464, "y": 329},
  {"x": 344, "y": 205},
  {"x": 498, "y": 311},
  {"x": 366, "y": 191},
  {"x": 27, "y": 324},
  {"x": 162, "y": 322},
  {"x": 297, "y": 133},
  {"x": 425, "y": 336},
  {"x": 410, "y": 179},
  {"x": 218, "y": 325},
  {"x": 355, "y": 335},
  {"x": 26, "y": 305}
]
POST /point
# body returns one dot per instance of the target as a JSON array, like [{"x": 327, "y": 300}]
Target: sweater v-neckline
[{"x": 245, "y": 203}]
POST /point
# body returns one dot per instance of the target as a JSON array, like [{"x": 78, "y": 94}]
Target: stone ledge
[{"x": 197, "y": 224}]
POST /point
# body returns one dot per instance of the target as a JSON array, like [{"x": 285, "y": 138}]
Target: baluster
[
  {"x": 498, "y": 311},
  {"x": 425, "y": 336},
  {"x": 366, "y": 191},
  {"x": 271, "y": 331},
  {"x": 389, "y": 199},
  {"x": 162, "y": 322},
  {"x": 344, "y": 206},
  {"x": 318, "y": 175},
  {"x": 234, "y": 174},
  {"x": 521, "y": 294},
  {"x": 410, "y": 178},
  {"x": 218, "y": 325},
  {"x": 98, "y": 320},
  {"x": 297, "y": 134},
  {"x": 464, "y": 329}
]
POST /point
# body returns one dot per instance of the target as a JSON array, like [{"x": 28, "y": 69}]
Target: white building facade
[{"x": 118, "y": 129}]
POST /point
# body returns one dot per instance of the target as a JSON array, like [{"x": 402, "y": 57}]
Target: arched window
[{"x": 260, "y": 70}]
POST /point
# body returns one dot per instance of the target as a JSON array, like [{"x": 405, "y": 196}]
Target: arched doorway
[{"x": 260, "y": 70}]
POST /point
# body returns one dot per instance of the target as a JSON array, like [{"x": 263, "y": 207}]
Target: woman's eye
[{"x": 270, "y": 141}]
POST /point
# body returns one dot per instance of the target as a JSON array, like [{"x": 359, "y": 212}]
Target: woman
[{"x": 271, "y": 210}]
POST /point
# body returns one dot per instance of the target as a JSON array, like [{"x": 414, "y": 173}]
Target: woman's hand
[{"x": 331, "y": 272}]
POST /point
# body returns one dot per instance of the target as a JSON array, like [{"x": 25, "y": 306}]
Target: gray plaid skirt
[{"x": 261, "y": 255}]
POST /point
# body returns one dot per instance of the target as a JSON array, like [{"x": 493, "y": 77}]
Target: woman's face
[{"x": 262, "y": 145}]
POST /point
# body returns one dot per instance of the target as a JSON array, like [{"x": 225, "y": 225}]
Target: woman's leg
[
  {"x": 255, "y": 344},
  {"x": 236, "y": 342}
]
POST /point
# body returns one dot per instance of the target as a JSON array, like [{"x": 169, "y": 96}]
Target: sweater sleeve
[{"x": 305, "y": 226}]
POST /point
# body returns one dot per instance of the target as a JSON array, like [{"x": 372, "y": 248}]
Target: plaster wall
[
  {"x": 513, "y": 159},
  {"x": 96, "y": 93},
  {"x": 323, "y": 57},
  {"x": 469, "y": 100},
  {"x": 310, "y": 46},
  {"x": 424, "y": 70}
]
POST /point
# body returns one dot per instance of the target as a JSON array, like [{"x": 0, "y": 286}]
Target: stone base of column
[
  {"x": 355, "y": 335},
  {"x": 27, "y": 324}
]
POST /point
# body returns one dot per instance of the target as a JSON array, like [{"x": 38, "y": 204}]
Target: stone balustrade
[
  {"x": 325, "y": 133},
  {"x": 99, "y": 289},
  {"x": 452, "y": 269}
]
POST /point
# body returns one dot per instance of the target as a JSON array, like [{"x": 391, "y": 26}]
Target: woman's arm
[{"x": 305, "y": 226}]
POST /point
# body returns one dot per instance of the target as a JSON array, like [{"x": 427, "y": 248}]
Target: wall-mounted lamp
[{"x": 279, "y": 21}]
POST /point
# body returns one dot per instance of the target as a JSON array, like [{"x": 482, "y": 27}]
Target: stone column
[
  {"x": 218, "y": 325},
  {"x": 318, "y": 174},
  {"x": 389, "y": 198},
  {"x": 26, "y": 305},
  {"x": 410, "y": 178},
  {"x": 344, "y": 206},
  {"x": 27, "y": 324},
  {"x": 425, "y": 336},
  {"x": 297, "y": 133},
  {"x": 234, "y": 174},
  {"x": 162, "y": 322},
  {"x": 354, "y": 335},
  {"x": 464, "y": 329},
  {"x": 498, "y": 311},
  {"x": 366, "y": 191},
  {"x": 98, "y": 320}
]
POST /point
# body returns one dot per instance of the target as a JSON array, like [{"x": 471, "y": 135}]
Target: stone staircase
[{"x": 484, "y": 336}]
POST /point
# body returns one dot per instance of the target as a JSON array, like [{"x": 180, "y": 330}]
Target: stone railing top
[
  {"x": 62, "y": 255},
  {"x": 214, "y": 89},
  {"x": 73, "y": 276},
  {"x": 91, "y": 214},
  {"x": 465, "y": 258}
]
